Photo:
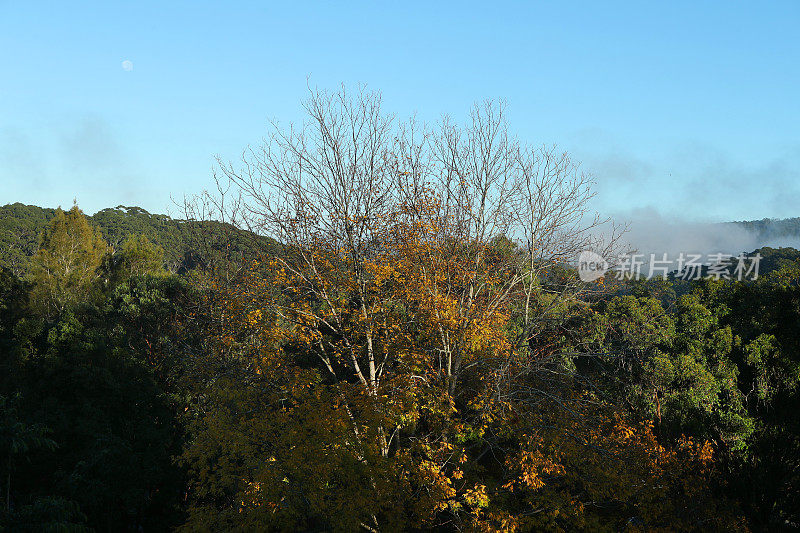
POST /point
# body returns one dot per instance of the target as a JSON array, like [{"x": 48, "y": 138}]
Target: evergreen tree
[{"x": 66, "y": 266}]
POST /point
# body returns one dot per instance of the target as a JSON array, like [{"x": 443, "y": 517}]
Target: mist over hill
[
  {"x": 774, "y": 231},
  {"x": 649, "y": 232}
]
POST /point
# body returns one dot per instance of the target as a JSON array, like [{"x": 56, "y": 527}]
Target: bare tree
[
  {"x": 495, "y": 223},
  {"x": 336, "y": 185},
  {"x": 328, "y": 187},
  {"x": 479, "y": 220}
]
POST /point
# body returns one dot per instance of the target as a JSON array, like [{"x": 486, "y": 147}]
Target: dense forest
[{"x": 398, "y": 363}]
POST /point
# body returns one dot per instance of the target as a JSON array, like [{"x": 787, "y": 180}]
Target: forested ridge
[
  {"x": 418, "y": 353},
  {"x": 182, "y": 240}
]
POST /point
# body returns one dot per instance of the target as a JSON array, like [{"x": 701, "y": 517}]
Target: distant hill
[
  {"x": 185, "y": 243},
  {"x": 771, "y": 229},
  {"x": 20, "y": 226}
]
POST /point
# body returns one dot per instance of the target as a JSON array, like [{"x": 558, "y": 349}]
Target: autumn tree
[
  {"x": 352, "y": 192},
  {"x": 426, "y": 270}
]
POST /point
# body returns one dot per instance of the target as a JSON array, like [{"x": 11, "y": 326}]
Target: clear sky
[{"x": 688, "y": 109}]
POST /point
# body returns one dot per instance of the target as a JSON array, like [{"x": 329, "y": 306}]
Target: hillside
[
  {"x": 184, "y": 242},
  {"x": 770, "y": 228}
]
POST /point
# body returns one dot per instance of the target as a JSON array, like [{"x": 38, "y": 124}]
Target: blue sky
[{"x": 689, "y": 109}]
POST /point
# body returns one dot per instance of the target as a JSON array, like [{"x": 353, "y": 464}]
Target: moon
[{"x": 127, "y": 65}]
